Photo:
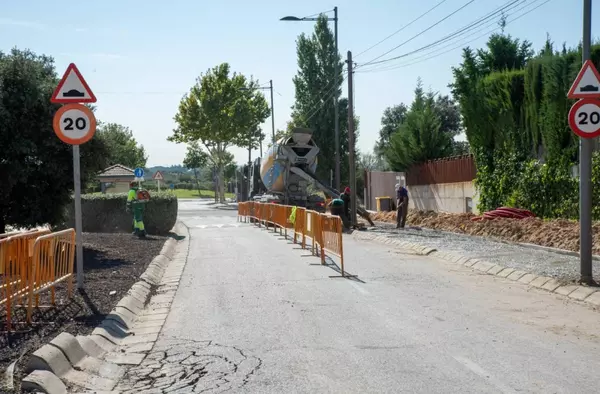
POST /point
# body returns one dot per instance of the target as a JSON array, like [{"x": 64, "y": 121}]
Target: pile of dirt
[
  {"x": 562, "y": 234},
  {"x": 112, "y": 264}
]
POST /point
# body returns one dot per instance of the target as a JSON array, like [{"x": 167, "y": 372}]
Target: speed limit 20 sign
[
  {"x": 584, "y": 118},
  {"x": 74, "y": 124}
]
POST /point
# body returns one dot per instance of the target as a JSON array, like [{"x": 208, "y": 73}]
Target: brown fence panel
[{"x": 447, "y": 170}]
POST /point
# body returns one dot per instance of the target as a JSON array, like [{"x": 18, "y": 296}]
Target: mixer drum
[{"x": 271, "y": 171}]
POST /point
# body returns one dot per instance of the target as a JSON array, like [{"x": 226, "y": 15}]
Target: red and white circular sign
[
  {"x": 74, "y": 124},
  {"x": 584, "y": 118}
]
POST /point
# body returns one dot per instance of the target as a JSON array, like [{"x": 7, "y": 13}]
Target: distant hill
[{"x": 170, "y": 169}]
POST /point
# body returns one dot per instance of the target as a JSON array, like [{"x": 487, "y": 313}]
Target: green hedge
[{"x": 105, "y": 213}]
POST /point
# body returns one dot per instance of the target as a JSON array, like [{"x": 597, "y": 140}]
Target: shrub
[{"x": 105, "y": 213}]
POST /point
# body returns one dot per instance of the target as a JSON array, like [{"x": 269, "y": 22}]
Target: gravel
[
  {"x": 112, "y": 264},
  {"x": 564, "y": 268}
]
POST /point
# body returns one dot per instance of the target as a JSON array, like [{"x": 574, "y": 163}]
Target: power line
[
  {"x": 329, "y": 96},
  {"x": 420, "y": 33},
  {"x": 428, "y": 55},
  {"x": 403, "y": 27},
  {"x": 457, "y": 33},
  {"x": 456, "y": 38},
  {"x": 329, "y": 88}
]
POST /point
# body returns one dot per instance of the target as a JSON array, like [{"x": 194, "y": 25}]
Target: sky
[{"x": 141, "y": 57}]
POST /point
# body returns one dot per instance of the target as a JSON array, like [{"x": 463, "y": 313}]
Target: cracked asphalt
[{"x": 255, "y": 314}]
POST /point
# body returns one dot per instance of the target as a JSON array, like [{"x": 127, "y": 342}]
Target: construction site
[{"x": 557, "y": 233}]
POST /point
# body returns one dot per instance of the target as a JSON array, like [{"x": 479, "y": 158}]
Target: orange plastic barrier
[
  {"x": 15, "y": 268},
  {"x": 312, "y": 231},
  {"x": 299, "y": 223},
  {"x": 331, "y": 230},
  {"x": 52, "y": 263},
  {"x": 323, "y": 231}
]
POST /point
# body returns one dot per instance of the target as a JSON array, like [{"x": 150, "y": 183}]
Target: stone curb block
[
  {"x": 540, "y": 281},
  {"x": 70, "y": 359},
  {"x": 79, "y": 359},
  {"x": 50, "y": 358},
  {"x": 594, "y": 299},
  {"x": 527, "y": 278},
  {"x": 505, "y": 272},
  {"x": 416, "y": 248},
  {"x": 495, "y": 269},
  {"x": 43, "y": 381},
  {"x": 483, "y": 266}
]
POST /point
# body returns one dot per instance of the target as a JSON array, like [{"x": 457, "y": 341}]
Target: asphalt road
[{"x": 411, "y": 324}]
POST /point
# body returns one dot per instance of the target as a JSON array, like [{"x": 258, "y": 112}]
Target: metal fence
[{"x": 446, "y": 170}]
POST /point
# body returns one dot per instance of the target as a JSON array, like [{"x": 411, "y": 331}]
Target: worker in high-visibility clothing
[{"x": 137, "y": 207}]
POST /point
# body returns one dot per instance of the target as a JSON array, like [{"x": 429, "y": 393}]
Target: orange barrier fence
[
  {"x": 331, "y": 232},
  {"x": 52, "y": 263},
  {"x": 323, "y": 231},
  {"x": 16, "y": 251}
]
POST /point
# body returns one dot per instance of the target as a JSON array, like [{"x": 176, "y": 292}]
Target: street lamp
[{"x": 335, "y": 81}]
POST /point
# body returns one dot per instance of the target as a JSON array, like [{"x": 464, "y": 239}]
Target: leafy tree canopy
[
  {"x": 423, "y": 135},
  {"x": 315, "y": 92},
  {"x": 221, "y": 110},
  {"x": 122, "y": 146},
  {"x": 36, "y": 168}
]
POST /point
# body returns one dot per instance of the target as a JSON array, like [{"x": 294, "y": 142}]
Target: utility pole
[
  {"x": 351, "y": 142},
  {"x": 586, "y": 147},
  {"x": 272, "y": 115},
  {"x": 249, "y": 167},
  {"x": 336, "y": 115}
]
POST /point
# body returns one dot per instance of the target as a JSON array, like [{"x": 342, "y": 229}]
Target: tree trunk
[
  {"x": 216, "y": 188},
  {"x": 197, "y": 181},
  {"x": 221, "y": 183}
]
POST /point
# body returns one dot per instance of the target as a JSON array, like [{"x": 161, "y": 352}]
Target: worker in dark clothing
[
  {"x": 337, "y": 208},
  {"x": 345, "y": 197},
  {"x": 402, "y": 204}
]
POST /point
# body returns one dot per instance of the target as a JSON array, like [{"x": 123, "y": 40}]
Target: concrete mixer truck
[{"x": 287, "y": 171}]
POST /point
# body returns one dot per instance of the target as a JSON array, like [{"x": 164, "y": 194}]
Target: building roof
[{"x": 117, "y": 171}]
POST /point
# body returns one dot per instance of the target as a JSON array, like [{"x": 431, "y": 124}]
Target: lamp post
[{"x": 336, "y": 85}]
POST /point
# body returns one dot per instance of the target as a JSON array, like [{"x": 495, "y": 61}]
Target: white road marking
[
  {"x": 359, "y": 288},
  {"x": 218, "y": 225},
  {"x": 470, "y": 365}
]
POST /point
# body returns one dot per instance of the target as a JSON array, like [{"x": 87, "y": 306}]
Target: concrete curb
[
  {"x": 413, "y": 247},
  {"x": 586, "y": 294},
  {"x": 97, "y": 361}
]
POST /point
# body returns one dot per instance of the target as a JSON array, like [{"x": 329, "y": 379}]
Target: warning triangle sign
[
  {"x": 72, "y": 88},
  {"x": 587, "y": 83},
  {"x": 158, "y": 176}
]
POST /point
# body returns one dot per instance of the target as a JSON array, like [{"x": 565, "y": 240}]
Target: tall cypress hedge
[{"x": 515, "y": 108}]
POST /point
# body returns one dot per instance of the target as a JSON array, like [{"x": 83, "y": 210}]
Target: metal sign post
[
  {"x": 78, "y": 215},
  {"x": 582, "y": 119},
  {"x": 75, "y": 124}
]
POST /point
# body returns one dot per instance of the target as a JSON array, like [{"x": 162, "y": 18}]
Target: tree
[
  {"x": 420, "y": 137},
  {"x": 392, "y": 119},
  {"x": 195, "y": 159},
  {"x": 220, "y": 111},
  {"x": 36, "y": 168},
  {"x": 370, "y": 162},
  {"x": 314, "y": 96},
  {"x": 122, "y": 146}
]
